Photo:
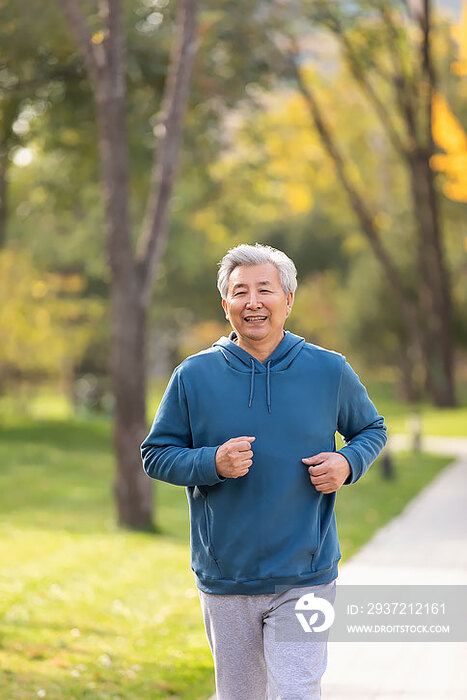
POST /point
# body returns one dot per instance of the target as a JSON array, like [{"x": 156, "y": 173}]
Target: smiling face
[{"x": 257, "y": 307}]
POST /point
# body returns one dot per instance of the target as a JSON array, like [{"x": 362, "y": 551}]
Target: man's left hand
[{"x": 327, "y": 470}]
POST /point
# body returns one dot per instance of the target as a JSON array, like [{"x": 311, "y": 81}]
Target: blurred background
[{"x": 129, "y": 164}]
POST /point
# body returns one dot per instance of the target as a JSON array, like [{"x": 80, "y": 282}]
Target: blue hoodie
[{"x": 270, "y": 527}]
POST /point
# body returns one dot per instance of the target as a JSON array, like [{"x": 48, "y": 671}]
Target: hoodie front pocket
[{"x": 207, "y": 517}]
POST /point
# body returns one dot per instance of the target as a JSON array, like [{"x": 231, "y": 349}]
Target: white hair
[{"x": 257, "y": 254}]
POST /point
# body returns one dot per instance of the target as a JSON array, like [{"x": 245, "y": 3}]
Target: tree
[
  {"x": 379, "y": 48},
  {"x": 132, "y": 272}
]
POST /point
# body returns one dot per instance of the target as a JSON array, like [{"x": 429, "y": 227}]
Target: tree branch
[
  {"x": 358, "y": 205},
  {"x": 403, "y": 88},
  {"x": 153, "y": 238},
  {"x": 114, "y": 47},
  {"x": 7, "y": 140},
  {"x": 428, "y": 72},
  {"x": 373, "y": 97},
  {"x": 92, "y": 53}
]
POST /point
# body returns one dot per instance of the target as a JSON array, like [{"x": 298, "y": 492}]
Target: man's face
[{"x": 256, "y": 304}]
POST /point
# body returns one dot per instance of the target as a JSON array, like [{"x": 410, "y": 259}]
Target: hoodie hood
[{"x": 241, "y": 360}]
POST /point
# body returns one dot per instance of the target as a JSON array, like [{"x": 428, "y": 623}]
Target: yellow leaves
[
  {"x": 459, "y": 34},
  {"x": 38, "y": 289},
  {"x": 308, "y": 73},
  {"x": 315, "y": 311},
  {"x": 447, "y": 132},
  {"x": 449, "y": 135},
  {"x": 42, "y": 318},
  {"x": 97, "y": 37},
  {"x": 271, "y": 160},
  {"x": 459, "y": 68},
  {"x": 455, "y": 167},
  {"x": 354, "y": 244},
  {"x": 200, "y": 335},
  {"x": 40, "y": 325},
  {"x": 205, "y": 220},
  {"x": 217, "y": 233},
  {"x": 382, "y": 221},
  {"x": 72, "y": 283},
  {"x": 299, "y": 197}
]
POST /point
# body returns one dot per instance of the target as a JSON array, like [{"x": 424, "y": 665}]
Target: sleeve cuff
[
  {"x": 355, "y": 464},
  {"x": 210, "y": 476}
]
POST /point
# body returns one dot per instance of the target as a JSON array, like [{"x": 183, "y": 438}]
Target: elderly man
[{"x": 248, "y": 427}]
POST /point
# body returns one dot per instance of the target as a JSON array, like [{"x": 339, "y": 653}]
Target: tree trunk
[
  {"x": 434, "y": 294},
  {"x": 410, "y": 388},
  {"x": 133, "y": 490}
]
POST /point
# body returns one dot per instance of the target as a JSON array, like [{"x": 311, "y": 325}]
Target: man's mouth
[{"x": 255, "y": 319}]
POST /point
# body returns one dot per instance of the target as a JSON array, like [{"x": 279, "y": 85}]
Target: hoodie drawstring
[
  {"x": 268, "y": 384},
  {"x": 252, "y": 383},
  {"x": 241, "y": 361}
]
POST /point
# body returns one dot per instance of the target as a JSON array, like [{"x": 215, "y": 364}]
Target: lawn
[
  {"x": 88, "y": 611},
  {"x": 449, "y": 422}
]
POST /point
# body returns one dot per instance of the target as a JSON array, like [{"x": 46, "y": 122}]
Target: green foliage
[{"x": 45, "y": 323}]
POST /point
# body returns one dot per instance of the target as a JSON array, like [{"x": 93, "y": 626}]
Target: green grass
[
  {"x": 88, "y": 611},
  {"x": 449, "y": 422}
]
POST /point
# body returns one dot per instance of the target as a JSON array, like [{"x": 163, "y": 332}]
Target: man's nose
[{"x": 253, "y": 300}]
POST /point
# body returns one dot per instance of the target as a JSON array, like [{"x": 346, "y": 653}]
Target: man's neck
[{"x": 258, "y": 350}]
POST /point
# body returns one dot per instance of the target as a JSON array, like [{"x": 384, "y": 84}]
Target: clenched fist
[
  {"x": 328, "y": 471},
  {"x": 234, "y": 457}
]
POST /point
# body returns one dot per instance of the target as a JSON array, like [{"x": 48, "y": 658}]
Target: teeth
[{"x": 255, "y": 318}]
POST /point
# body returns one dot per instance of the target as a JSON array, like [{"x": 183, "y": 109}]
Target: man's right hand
[{"x": 234, "y": 457}]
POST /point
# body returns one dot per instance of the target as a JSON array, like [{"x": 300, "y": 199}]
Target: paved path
[{"x": 426, "y": 543}]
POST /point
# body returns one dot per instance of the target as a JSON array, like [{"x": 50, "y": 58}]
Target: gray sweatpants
[{"x": 251, "y": 661}]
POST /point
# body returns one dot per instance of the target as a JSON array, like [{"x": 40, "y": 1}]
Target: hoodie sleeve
[
  {"x": 358, "y": 422},
  {"x": 168, "y": 453}
]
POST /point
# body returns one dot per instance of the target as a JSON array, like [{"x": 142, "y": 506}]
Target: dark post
[{"x": 387, "y": 465}]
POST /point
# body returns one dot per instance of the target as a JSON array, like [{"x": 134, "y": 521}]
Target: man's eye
[
  {"x": 238, "y": 294},
  {"x": 264, "y": 290}
]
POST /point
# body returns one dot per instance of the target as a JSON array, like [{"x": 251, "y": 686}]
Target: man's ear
[
  {"x": 290, "y": 299},
  {"x": 224, "y": 306}
]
